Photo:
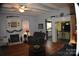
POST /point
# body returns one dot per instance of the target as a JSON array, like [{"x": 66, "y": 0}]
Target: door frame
[{"x": 46, "y": 21}]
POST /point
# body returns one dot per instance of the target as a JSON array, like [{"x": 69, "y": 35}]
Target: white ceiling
[{"x": 35, "y": 8}]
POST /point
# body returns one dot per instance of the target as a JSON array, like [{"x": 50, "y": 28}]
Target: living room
[{"x": 21, "y": 23}]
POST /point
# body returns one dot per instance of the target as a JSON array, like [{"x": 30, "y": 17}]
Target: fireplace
[{"x": 14, "y": 38}]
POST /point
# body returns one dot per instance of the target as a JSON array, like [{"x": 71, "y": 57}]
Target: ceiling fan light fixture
[
  {"x": 22, "y": 7},
  {"x": 21, "y": 10}
]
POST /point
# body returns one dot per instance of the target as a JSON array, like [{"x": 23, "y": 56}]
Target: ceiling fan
[
  {"x": 18, "y": 7},
  {"x": 22, "y": 7}
]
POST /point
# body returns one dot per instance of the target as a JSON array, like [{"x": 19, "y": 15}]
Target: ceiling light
[
  {"x": 21, "y": 10},
  {"x": 67, "y": 23},
  {"x": 23, "y": 7}
]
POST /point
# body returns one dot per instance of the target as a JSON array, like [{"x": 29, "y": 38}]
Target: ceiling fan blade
[
  {"x": 27, "y": 8},
  {"x": 13, "y": 6}
]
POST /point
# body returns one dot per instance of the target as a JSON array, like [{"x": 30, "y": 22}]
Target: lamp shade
[{"x": 25, "y": 26}]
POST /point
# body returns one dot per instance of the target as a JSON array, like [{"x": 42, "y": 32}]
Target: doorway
[
  {"x": 63, "y": 31},
  {"x": 48, "y": 25}
]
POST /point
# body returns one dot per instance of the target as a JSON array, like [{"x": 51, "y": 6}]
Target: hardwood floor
[
  {"x": 16, "y": 50},
  {"x": 53, "y": 48},
  {"x": 48, "y": 49}
]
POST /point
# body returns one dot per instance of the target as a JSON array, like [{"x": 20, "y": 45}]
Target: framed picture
[
  {"x": 40, "y": 26},
  {"x": 13, "y": 24}
]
